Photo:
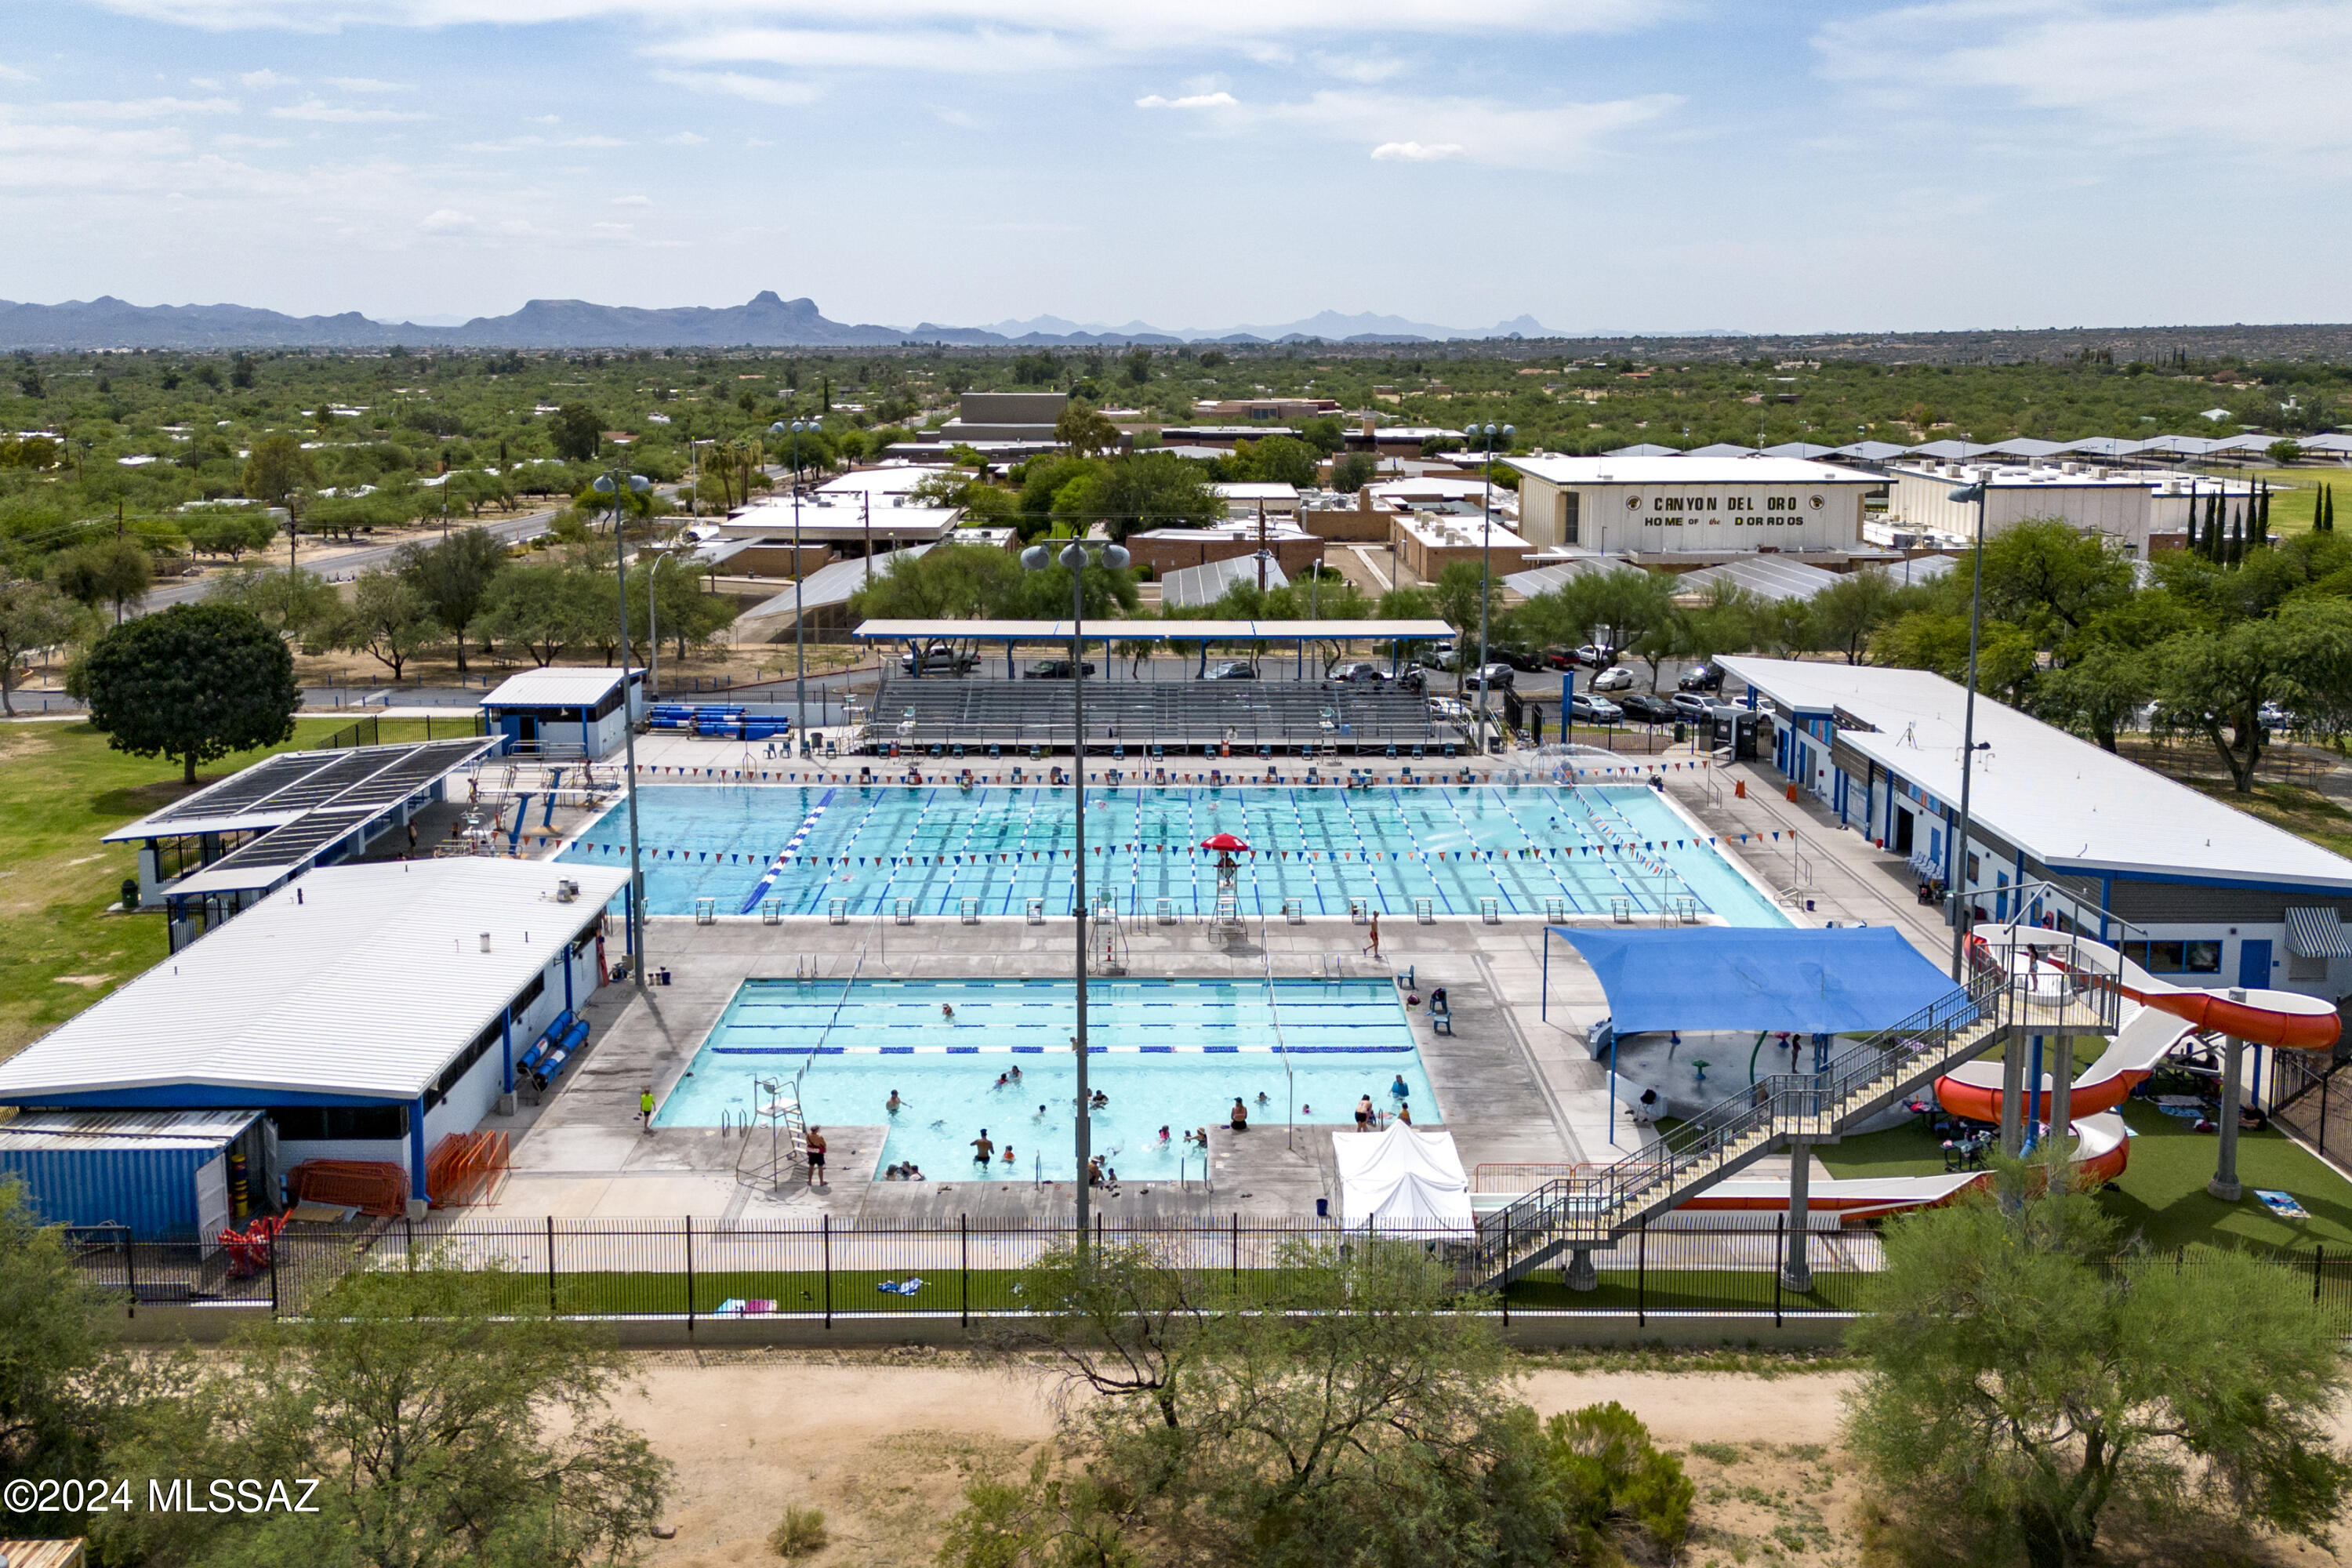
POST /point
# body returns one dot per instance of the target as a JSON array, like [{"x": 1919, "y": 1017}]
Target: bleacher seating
[{"x": 1141, "y": 718}]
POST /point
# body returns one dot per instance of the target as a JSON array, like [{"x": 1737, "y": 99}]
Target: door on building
[
  {"x": 2254, "y": 964},
  {"x": 1903, "y": 830},
  {"x": 526, "y": 728}
]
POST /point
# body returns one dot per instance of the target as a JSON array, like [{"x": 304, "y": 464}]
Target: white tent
[{"x": 1403, "y": 1181}]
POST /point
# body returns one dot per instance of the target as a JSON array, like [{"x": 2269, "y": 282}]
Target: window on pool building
[{"x": 2176, "y": 957}]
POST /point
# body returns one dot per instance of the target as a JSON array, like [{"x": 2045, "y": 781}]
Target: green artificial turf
[{"x": 2161, "y": 1199}]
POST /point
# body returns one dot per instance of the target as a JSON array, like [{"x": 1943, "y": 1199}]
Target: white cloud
[
  {"x": 633, "y": 201},
  {"x": 1395, "y": 127},
  {"x": 320, "y": 110},
  {"x": 532, "y": 144},
  {"x": 2258, "y": 75},
  {"x": 1368, "y": 70},
  {"x": 741, "y": 84},
  {"x": 547, "y": 119},
  {"x": 237, "y": 140},
  {"x": 683, "y": 139},
  {"x": 368, "y": 84},
  {"x": 12, "y": 73},
  {"x": 962, "y": 119},
  {"x": 141, "y": 108},
  {"x": 262, "y": 80},
  {"x": 202, "y": 83},
  {"x": 1172, "y": 22},
  {"x": 980, "y": 50},
  {"x": 1192, "y": 101}
]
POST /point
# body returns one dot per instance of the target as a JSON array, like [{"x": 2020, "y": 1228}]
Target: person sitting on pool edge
[{"x": 1240, "y": 1115}]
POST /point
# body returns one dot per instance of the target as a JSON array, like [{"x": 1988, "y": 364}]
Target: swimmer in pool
[
  {"x": 1016, "y": 1072},
  {"x": 1398, "y": 1089},
  {"x": 1008, "y": 1154},
  {"x": 947, "y": 1012},
  {"x": 1163, "y": 1137},
  {"x": 1002, "y": 1080},
  {"x": 894, "y": 1103},
  {"x": 1261, "y": 1097}
]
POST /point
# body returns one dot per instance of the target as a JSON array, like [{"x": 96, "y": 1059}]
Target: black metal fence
[
  {"x": 969, "y": 1268},
  {"x": 2305, "y": 1099}
]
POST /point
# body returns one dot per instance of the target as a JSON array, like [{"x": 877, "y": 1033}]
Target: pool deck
[{"x": 1517, "y": 1087}]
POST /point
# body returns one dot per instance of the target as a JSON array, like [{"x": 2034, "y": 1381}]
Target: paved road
[{"x": 507, "y": 529}]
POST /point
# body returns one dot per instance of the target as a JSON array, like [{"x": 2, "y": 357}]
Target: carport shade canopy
[{"x": 1846, "y": 980}]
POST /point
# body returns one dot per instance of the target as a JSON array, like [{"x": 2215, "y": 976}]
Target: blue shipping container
[{"x": 143, "y": 1169}]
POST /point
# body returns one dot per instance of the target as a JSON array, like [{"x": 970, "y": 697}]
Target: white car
[{"x": 1615, "y": 679}]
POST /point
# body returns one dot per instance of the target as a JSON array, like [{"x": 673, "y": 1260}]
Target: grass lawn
[
  {"x": 2295, "y": 492},
  {"x": 2161, "y": 1197},
  {"x": 65, "y": 789}
]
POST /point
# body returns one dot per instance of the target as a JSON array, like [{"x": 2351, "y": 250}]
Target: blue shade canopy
[{"x": 1851, "y": 980}]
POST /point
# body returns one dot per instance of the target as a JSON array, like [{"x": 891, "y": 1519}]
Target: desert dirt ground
[{"x": 883, "y": 1442}]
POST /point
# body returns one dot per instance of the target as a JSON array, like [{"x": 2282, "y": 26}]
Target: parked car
[
  {"x": 1361, "y": 673},
  {"x": 1518, "y": 658},
  {"x": 1435, "y": 655},
  {"x": 1232, "y": 669},
  {"x": 1616, "y": 678},
  {"x": 939, "y": 659},
  {"x": 1693, "y": 707},
  {"x": 1647, "y": 707},
  {"x": 1560, "y": 657},
  {"x": 1587, "y": 710},
  {"x": 1701, "y": 678},
  {"x": 1490, "y": 677},
  {"x": 1057, "y": 670}
]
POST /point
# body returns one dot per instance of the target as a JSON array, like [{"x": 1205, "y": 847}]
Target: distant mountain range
[{"x": 766, "y": 320}]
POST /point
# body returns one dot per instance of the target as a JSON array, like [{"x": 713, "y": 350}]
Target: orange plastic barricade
[
  {"x": 465, "y": 1167},
  {"x": 372, "y": 1186}
]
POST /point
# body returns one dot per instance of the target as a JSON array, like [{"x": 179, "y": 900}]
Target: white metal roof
[
  {"x": 362, "y": 980},
  {"x": 1551, "y": 575},
  {"x": 1680, "y": 469},
  {"x": 1773, "y": 577},
  {"x": 1722, "y": 449},
  {"x": 1190, "y": 587},
  {"x": 2060, "y": 798},
  {"x": 1147, "y": 631},
  {"x": 557, "y": 686},
  {"x": 1645, "y": 449},
  {"x": 85, "y": 1130},
  {"x": 834, "y": 582},
  {"x": 891, "y": 479},
  {"x": 1255, "y": 491}
]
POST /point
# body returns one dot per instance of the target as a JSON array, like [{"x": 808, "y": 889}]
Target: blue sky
[{"x": 1630, "y": 165}]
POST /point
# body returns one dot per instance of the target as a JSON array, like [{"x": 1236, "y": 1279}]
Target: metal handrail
[{"x": 1613, "y": 1197}]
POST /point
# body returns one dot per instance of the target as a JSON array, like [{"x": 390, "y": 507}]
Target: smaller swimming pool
[{"x": 1171, "y": 1053}]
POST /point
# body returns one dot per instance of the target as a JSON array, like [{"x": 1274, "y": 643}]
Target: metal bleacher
[{"x": 1282, "y": 718}]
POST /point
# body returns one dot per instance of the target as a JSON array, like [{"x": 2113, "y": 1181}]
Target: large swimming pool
[
  {"x": 1171, "y": 1053},
  {"x": 861, "y": 849}
]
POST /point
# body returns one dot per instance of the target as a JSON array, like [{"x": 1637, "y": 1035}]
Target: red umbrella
[{"x": 1223, "y": 841}]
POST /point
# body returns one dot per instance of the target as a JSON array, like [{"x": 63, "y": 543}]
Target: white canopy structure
[{"x": 1402, "y": 1182}]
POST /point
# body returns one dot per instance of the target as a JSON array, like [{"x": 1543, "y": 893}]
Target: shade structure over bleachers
[
  {"x": 1282, "y": 718},
  {"x": 1020, "y": 632}
]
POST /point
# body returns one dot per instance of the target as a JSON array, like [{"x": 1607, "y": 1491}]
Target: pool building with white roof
[
  {"x": 2221, "y": 894},
  {"x": 368, "y": 1011}
]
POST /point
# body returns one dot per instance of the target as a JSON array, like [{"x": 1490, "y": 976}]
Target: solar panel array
[{"x": 338, "y": 792}]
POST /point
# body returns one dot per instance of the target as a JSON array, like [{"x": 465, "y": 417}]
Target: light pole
[
  {"x": 1959, "y": 890},
  {"x": 800, "y": 630},
  {"x": 609, "y": 484},
  {"x": 1486, "y": 565},
  {"x": 1073, "y": 555}
]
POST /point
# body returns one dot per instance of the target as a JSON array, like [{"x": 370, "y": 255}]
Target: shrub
[{"x": 800, "y": 1533}]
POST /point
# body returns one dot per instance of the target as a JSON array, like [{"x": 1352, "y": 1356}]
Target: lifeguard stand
[{"x": 777, "y": 1138}]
